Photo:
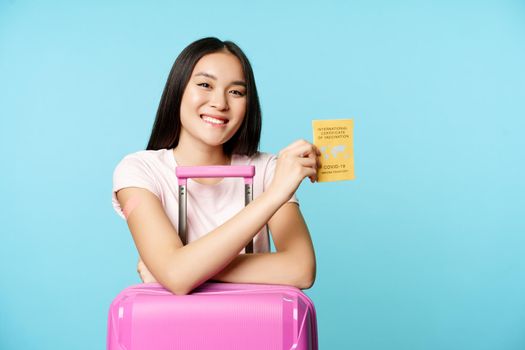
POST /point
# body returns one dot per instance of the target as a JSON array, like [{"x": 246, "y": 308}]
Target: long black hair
[{"x": 167, "y": 125}]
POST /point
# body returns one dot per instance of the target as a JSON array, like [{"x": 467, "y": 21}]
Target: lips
[{"x": 223, "y": 119}]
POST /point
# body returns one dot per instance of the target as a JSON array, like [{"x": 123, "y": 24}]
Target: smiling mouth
[{"x": 212, "y": 120}]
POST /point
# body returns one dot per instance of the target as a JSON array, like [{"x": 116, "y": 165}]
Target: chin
[{"x": 215, "y": 142}]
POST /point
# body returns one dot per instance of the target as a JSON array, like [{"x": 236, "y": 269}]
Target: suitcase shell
[
  {"x": 216, "y": 316},
  {"x": 213, "y": 316}
]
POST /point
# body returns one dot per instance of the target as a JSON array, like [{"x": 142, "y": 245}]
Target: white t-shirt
[{"x": 209, "y": 206}]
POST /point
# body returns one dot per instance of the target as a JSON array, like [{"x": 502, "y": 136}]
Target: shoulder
[
  {"x": 143, "y": 168},
  {"x": 147, "y": 156},
  {"x": 144, "y": 160}
]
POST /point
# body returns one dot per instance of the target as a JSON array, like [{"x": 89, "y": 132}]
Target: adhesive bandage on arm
[{"x": 131, "y": 204}]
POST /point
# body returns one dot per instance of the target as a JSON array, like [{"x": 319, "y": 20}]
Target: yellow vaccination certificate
[{"x": 335, "y": 140}]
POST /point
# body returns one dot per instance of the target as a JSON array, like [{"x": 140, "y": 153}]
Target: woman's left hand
[{"x": 144, "y": 273}]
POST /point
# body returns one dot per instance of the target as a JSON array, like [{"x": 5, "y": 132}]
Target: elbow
[
  {"x": 178, "y": 288},
  {"x": 182, "y": 284},
  {"x": 176, "y": 278},
  {"x": 176, "y": 285},
  {"x": 307, "y": 278},
  {"x": 306, "y": 283}
]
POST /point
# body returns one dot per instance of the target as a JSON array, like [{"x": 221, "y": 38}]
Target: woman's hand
[
  {"x": 294, "y": 163},
  {"x": 144, "y": 273}
]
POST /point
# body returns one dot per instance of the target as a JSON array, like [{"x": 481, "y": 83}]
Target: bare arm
[
  {"x": 292, "y": 264},
  {"x": 182, "y": 268}
]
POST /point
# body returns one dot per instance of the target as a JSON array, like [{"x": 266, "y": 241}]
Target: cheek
[
  {"x": 240, "y": 106},
  {"x": 197, "y": 98},
  {"x": 191, "y": 99}
]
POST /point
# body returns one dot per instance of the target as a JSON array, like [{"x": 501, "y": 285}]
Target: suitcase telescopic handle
[{"x": 183, "y": 173}]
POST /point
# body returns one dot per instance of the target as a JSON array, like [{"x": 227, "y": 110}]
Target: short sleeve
[
  {"x": 268, "y": 176},
  {"x": 132, "y": 172}
]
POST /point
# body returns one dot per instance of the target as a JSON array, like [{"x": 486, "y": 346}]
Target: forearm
[
  {"x": 265, "y": 268},
  {"x": 203, "y": 258}
]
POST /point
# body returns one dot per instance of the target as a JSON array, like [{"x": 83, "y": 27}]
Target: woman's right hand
[{"x": 295, "y": 162}]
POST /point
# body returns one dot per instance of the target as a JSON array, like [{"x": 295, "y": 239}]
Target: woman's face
[{"x": 214, "y": 102}]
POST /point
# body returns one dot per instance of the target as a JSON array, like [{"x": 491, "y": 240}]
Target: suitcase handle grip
[{"x": 185, "y": 172}]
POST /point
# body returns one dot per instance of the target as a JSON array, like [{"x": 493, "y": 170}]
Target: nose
[{"x": 218, "y": 100}]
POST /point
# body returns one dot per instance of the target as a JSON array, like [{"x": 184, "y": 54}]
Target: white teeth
[{"x": 212, "y": 120}]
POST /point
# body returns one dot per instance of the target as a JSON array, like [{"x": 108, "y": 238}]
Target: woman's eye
[
  {"x": 204, "y": 85},
  {"x": 237, "y": 92}
]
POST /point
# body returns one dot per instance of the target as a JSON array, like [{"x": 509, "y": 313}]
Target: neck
[{"x": 197, "y": 154}]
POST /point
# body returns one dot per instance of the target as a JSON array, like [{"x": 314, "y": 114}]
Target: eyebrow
[{"x": 208, "y": 75}]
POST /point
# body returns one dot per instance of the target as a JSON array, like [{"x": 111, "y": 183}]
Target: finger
[
  {"x": 317, "y": 150},
  {"x": 317, "y": 155},
  {"x": 310, "y": 173},
  {"x": 309, "y": 168},
  {"x": 316, "y": 158},
  {"x": 308, "y": 162},
  {"x": 312, "y": 161},
  {"x": 293, "y": 145},
  {"x": 303, "y": 150}
]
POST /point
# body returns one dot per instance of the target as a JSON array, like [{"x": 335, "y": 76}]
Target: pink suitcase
[
  {"x": 229, "y": 316},
  {"x": 214, "y": 316}
]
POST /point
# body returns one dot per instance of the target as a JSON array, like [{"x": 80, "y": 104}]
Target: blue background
[{"x": 424, "y": 250}]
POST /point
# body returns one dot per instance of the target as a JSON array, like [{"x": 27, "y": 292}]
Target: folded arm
[
  {"x": 182, "y": 268},
  {"x": 293, "y": 263}
]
